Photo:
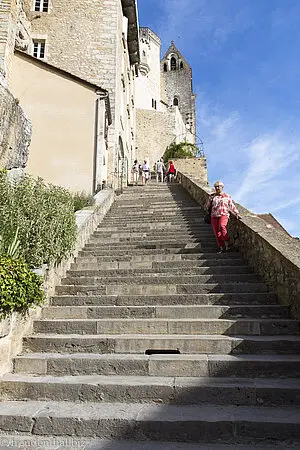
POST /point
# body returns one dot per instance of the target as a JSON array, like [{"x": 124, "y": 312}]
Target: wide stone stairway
[{"x": 157, "y": 341}]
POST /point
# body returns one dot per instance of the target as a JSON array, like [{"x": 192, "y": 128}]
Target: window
[
  {"x": 173, "y": 63},
  {"x": 175, "y": 101},
  {"x": 153, "y": 103},
  {"x": 41, "y": 5},
  {"x": 165, "y": 67},
  {"x": 39, "y": 49},
  {"x": 181, "y": 65}
]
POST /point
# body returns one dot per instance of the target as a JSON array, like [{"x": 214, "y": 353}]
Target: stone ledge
[
  {"x": 16, "y": 326},
  {"x": 271, "y": 253}
]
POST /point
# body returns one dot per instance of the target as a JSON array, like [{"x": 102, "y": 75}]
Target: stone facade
[
  {"x": 98, "y": 43},
  {"x": 270, "y": 252},
  {"x": 15, "y": 132},
  {"x": 178, "y": 87},
  {"x": 148, "y": 88},
  {"x": 155, "y": 131},
  {"x": 14, "y": 32}
]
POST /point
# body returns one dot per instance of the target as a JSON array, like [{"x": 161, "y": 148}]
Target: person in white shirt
[
  {"x": 136, "y": 172},
  {"x": 159, "y": 169},
  {"x": 146, "y": 172}
]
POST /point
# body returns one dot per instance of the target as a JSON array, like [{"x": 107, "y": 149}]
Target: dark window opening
[
  {"x": 165, "y": 67},
  {"x": 181, "y": 65},
  {"x": 175, "y": 101},
  {"x": 173, "y": 63}
]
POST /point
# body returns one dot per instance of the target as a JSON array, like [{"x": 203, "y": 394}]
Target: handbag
[{"x": 207, "y": 217}]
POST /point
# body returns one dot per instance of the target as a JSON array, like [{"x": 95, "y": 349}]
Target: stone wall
[
  {"x": 14, "y": 32},
  {"x": 15, "y": 132},
  {"x": 269, "y": 252},
  {"x": 193, "y": 167},
  {"x": 14, "y": 328},
  {"x": 155, "y": 131}
]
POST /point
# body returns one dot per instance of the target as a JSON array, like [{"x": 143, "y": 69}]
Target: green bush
[
  {"x": 20, "y": 288},
  {"x": 178, "y": 151},
  {"x": 43, "y": 215},
  {"x": 82, "y": 200}
]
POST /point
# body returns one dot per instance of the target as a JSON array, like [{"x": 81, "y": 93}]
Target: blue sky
[{"x": 246, "y": 74}]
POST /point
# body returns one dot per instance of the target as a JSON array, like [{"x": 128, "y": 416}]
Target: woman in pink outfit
[{"x": 221, "y": 205}]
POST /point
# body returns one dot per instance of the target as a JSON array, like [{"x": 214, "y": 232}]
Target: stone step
[
  {"x": 239, "y": 299},
  {"x": 156, "y": 226},
  {"x": 175, "y": 265},
  {"x": 160, "y": 279},
  {"x": 249, "y": 327},
  {"x": 117, "y": 252},
  {"x": 148, "y": 244},
  {"x": 140, "y": 343},
  {"x": 159, "y": 256},
  {"x": 157, "y": 271},
  {"x": 152, "y": 389},
  {"x": 17, "y": 441},
  {"x": 170, "y": 312},
  {"x": 125, "y": 237},
  {"x": 160, "y": 289},
  {"x": 204, "y": 423},
  {"x": 169, "y": 365}
]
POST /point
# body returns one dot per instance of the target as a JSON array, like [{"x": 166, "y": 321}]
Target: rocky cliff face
[{"x": 15, "y": 131}]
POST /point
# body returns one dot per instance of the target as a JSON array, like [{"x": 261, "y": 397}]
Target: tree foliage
[{"x": 179, "y": 151}]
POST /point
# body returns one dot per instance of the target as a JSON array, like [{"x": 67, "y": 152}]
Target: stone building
[
  {"x": 178, "y": 86},
  {"x": 70, "y": 119},
  {"x": 164, "y": 99},
  {"x": 96, "y": 41}
]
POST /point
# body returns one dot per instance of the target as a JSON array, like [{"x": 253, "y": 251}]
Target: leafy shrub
[
  {"x": 20, "y": 288},
  {"x": 181, "y": 150},
  {"x": 44, "y": 215},
  {"x": 82, "y": 200}
]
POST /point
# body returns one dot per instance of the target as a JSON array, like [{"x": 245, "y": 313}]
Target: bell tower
[{"x": 177, "y": 87}]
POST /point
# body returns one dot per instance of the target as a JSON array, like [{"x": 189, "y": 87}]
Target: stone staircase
[{"x": 155, "y": 341}]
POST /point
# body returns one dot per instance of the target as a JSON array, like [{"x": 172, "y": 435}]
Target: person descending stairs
[{"x": 155, "y": 341}]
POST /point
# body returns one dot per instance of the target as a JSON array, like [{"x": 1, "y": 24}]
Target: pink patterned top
[{"x": 221, "y": 205}]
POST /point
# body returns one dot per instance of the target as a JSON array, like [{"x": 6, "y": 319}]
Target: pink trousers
[{"x": 219, "y": 226}]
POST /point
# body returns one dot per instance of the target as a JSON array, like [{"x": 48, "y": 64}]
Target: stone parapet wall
[
  {"x": 15, "y": 327},
  {"x": 15, "y": 132},
  {"x": 194, "y": 167},
  {"x": 269, "y": 252}
]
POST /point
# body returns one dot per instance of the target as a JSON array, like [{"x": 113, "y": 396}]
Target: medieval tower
[
  {"x": 165, "y": 103},
  {"x": 178, "y": 87}
]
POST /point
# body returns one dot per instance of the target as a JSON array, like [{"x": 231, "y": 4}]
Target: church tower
[{"x": 178, "y": 88}]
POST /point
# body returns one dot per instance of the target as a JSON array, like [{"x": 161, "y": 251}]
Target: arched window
[
  {"x": 165, "y": 67},
  {"x": 181, "y": 65},
  {"x": 173, "y": 63},
  {"x": 176, "y": 101}
]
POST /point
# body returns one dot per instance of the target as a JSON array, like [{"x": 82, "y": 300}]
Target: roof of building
[
  {"x": 69, "y": 75},
  {"x": 130, "y": 11},
  {"x": 270, "y": 219},
  {"x": 174, "y": 49}
]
